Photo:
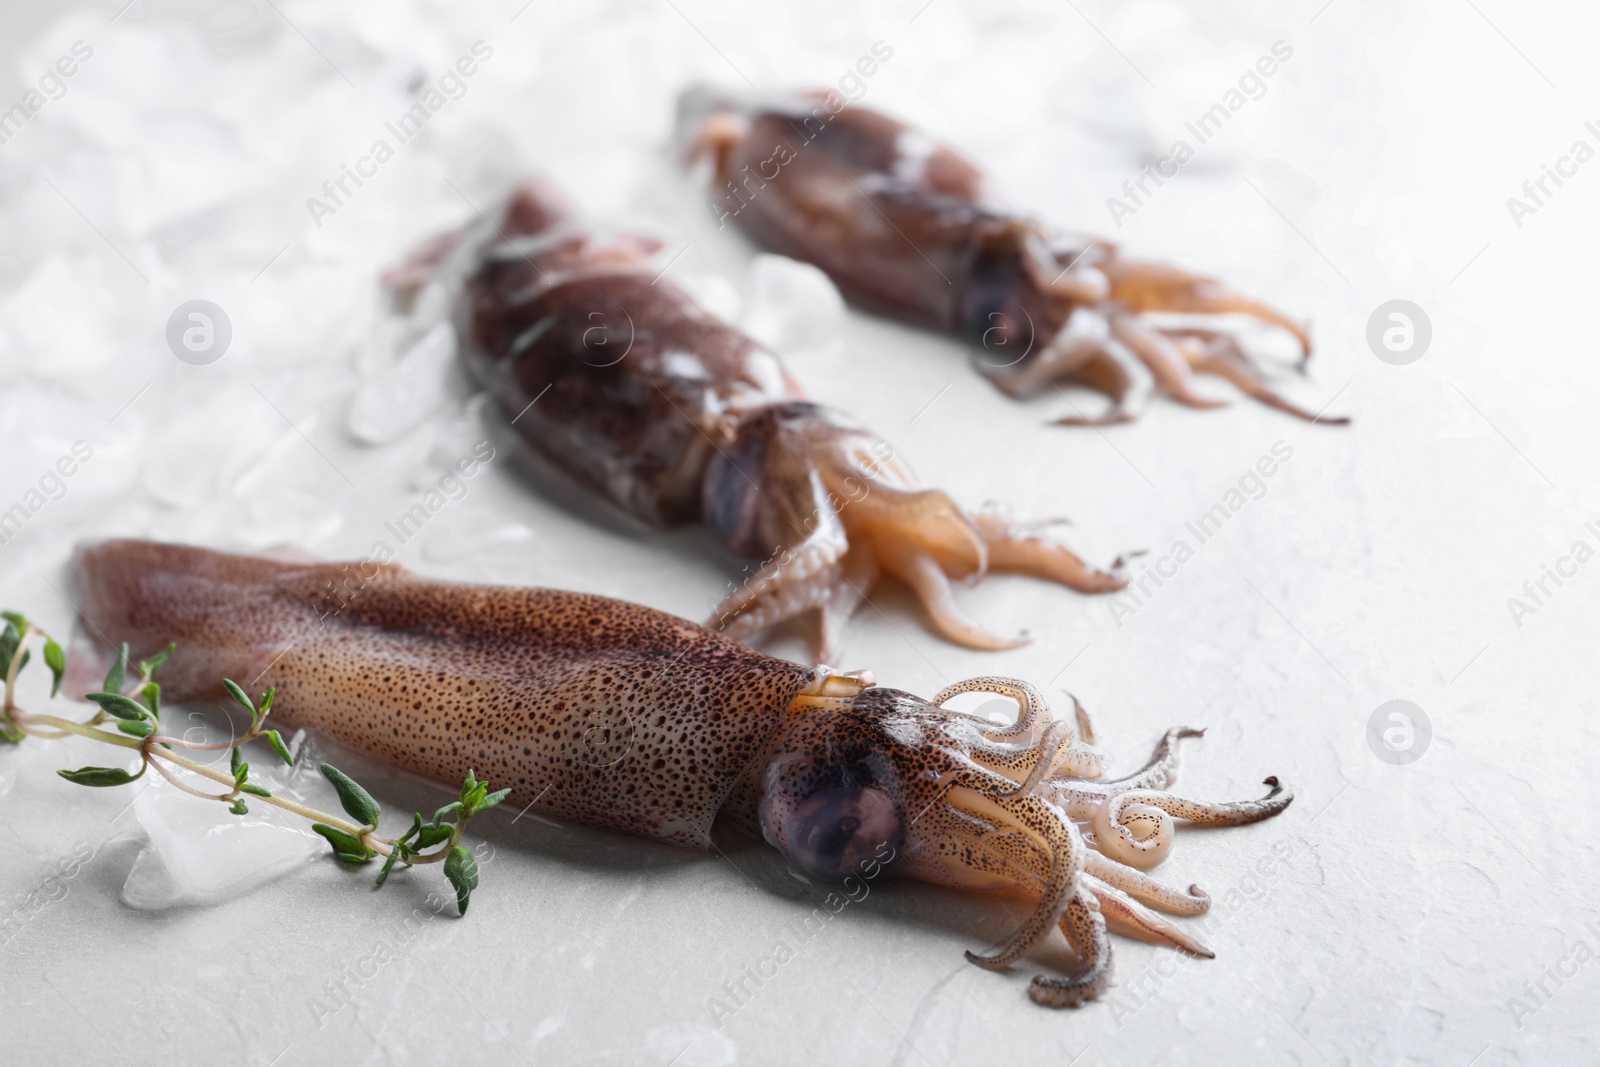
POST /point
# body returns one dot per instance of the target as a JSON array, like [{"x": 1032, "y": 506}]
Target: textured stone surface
[{"x": 1402, "y": 908}]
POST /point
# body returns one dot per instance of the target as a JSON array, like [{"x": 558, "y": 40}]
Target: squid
[
  {"x": 612, "y": 373},
  {"x": 901, "y": 224},
  {"x": 613, "y": 715}
]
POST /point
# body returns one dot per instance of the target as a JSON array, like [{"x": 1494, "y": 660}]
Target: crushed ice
[{"x": 198, "y": 853}]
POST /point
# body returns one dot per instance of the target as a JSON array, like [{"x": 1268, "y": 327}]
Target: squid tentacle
[
  {"x": 1051, "y": 751},
  {"x": 1057, "y": 736},
  {"x": 1143, "y": 286},
  {"x": 1085, "y": 927},
  {"x": 1220, "y": 355},
  {"x": 1126, "y": 915},
  {"x": 1078, "y": 795},
  {"x": 1019, "y": 549},
  {"x": 1066, "y": 852},
  {"x": 1165, "y": 359},
  {"x": 857, "y": 573},
  {"x": 1229, "y": 813},
  {"x": 800, "y": 470},
  {"x": 1135, "y": 827},
  {"x": 784, "y": 588},
  {"x": 1031, "y": 704},
  {"x": 928, "y": 580},
  {"x": 1139, "y": 835},
  {"x": 794, "y": 568},
  {"x": 1081, "y": 353},
  {"x": 1161, "y": 769},
  {"x": 1092, "y": 307},
  {"x": 1120, "y": 377},
  {"x": 1081, "y": 713},
  {"x": 1142, "y": 887}
]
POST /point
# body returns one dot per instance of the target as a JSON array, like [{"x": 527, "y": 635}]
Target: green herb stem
[
  {"x": 150, "y": 750},
  {"x": 158, "y": 749}
]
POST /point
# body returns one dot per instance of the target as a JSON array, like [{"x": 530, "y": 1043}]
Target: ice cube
[
  {"x": 793, "y": 306},
  {"x": 200, "y": 854},
  {"x": 398, "y": 395},
  {"x": 714, "y": 292},
  {"x": 43, "y": 424}
]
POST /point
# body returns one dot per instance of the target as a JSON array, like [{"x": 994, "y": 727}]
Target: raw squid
[
  {"x": 615, "y": 375},
  {"x": 900, "y": 223},
  {"x": 619, "y": 716}
]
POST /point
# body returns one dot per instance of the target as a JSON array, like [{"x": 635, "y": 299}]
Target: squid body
[
  {"x": 902, "y": 225},
  {"x": 619, "y": 716},
  {"x": 612, "y": 373}
]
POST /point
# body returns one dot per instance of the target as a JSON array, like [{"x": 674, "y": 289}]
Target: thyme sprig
[{"x": 133, "y": 721}]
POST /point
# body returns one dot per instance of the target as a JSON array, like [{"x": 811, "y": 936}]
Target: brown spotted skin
[
  {"x": 603, "y": 712},
  {"x": 632, "y": 384},
  {"x": 902, "y": 226},
  {"x": 618, "y": 716},
  {"x": 894, "y": 219}
]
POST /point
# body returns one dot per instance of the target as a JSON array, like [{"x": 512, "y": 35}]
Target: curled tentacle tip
[
  {"x": 1119, "y": 566},
  {"x": 1057, "y": 993},
  {"x": 985, "y": 962},
  {"x": 1279, "y": 791},
  {"x": 1198, "y": 893},
  {"x": 1111, "y": 580}
]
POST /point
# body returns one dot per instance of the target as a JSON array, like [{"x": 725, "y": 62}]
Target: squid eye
[{"x": 841, "y": 831}]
